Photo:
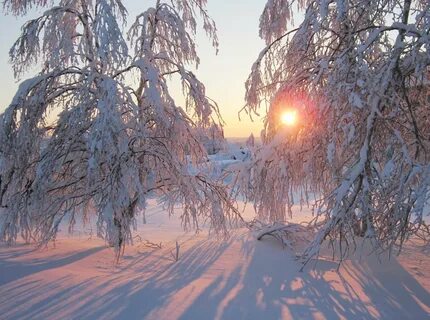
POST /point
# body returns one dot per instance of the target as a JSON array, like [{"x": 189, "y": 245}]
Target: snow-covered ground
[
  {"x": 235, "y": 278},
  {"x": 240, "y": 278}
]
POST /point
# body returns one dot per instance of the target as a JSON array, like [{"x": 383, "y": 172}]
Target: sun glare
[{"x": 289, "y": 117}]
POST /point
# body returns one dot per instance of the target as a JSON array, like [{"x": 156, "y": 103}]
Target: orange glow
[{"x": 289, "y": 117}]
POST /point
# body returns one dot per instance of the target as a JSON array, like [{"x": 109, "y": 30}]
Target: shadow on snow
[{"x": 239, "y": 279}]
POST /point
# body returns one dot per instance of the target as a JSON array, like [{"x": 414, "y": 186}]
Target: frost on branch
[
  {"x": 97, "y": 130},
  {"x": 357, "y": 72},
  {"x": 18, "y": 7}
]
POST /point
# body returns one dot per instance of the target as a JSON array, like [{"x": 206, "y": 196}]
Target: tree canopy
[
  {"x": 357, "y": 73},
  {"x": 119, "y": 134}
]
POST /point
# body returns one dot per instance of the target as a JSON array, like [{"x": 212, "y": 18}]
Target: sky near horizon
[{"x": 224, "y": 74}]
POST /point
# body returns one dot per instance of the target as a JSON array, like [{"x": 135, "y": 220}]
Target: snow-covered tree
[
  {"x": 356, "y": 72},
  {"x": 250, "y": 142},
  {"x": 97, "y": 129},
  {"x": 211, "y": 137}
]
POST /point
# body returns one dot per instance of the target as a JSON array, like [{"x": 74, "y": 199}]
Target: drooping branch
[{"x": 352, "y": 70}]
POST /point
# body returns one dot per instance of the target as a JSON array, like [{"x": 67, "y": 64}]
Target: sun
[{"x": 289, "y": 117}]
